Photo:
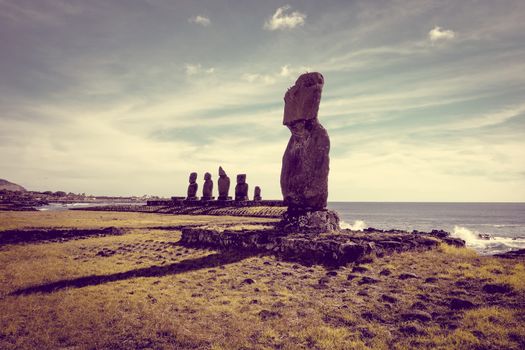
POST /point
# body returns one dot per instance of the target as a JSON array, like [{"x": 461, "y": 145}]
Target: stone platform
[
  {"x": 181, "y": 202},
  {"x": 330, "y": 248},
  {"x": 248, "y": 211}
]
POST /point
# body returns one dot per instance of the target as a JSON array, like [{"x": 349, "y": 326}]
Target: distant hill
[{"x": 6, "y": 185}]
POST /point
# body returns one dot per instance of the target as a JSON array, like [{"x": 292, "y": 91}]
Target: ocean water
[{"x": 503, "y": 222}]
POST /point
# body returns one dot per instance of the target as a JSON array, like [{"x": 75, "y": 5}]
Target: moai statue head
[
  {"x": 192, "y": 187},
  {"x": 241, "y": 190},
  {"x": 257, "y": 193},
  {"x": 207, "y": 189},
  {"x": 224, "y": 185},
  {"x": 241, "y": 178},
  {"x": 301, "y": 101}
]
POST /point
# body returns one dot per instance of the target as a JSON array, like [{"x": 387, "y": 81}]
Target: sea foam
[
  {"x": 358, "y": 225},
  {"x": 492, "y": 245}
]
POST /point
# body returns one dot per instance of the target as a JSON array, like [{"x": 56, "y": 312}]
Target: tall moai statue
[
  {"x": 241, "y": 189},
  {"x": 257, "y": 194},
  {"x": 224, "y": 185},
  {"x": 305, "y": 164},
  {"x": 207, "y": 189},
  {"x": 192, "y": 187}
]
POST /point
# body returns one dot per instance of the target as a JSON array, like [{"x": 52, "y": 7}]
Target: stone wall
[{"x": 332, "y": 249}]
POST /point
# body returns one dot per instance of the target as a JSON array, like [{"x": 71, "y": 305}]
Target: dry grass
[
  {"x": 95, "y": 219},
  {"x": 149, "y": 292}
]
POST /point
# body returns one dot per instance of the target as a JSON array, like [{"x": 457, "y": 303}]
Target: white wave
[
  {"x": 492, "y": 245},
  {"x": 358, "y": 225}
]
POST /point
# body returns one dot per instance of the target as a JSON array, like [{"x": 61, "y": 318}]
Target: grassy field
[{"x": 142, "y": 290}]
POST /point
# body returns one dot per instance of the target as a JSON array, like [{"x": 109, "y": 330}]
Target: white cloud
[
  {"x": 438, "y": 34},
  {"x": 192, "y": 69},
  {"x": 202, "y": 20},
  {"x": 286, "y": 72},
  {"x": 283, "y": 20},
  {"x": 255, "y": 77}
]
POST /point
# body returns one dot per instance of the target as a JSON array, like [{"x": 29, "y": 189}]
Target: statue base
[
  {"x": 207, "y": 198},
  {"x": 309, "y": 221}
]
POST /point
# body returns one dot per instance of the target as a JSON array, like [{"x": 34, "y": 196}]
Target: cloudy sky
[{"x": 423, "y": 100}]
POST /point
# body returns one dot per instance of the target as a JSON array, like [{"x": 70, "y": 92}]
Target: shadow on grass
[{"x": 209, "y": 261}]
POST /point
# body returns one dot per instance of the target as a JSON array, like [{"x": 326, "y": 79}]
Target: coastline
[{"x": 188, "y": 297}]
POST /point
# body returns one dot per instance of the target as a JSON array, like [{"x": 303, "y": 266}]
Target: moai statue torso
[
  {"x": 305, "y": 165},
  {"x": 241, "y": 189},
  {"x": 207, "y": 189},
  {"x": 257, "y": 194},
  {"x": 192, "y": 187},
  {"x": 224, "y": 185}
]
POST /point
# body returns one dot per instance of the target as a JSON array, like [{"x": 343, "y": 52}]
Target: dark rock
[
  {"x": 412, "y": 330},
  {"x": 440, "y": 233},
  {"x": 241, "y": 189},
  {"x": 479, "y": 334},
  {"x": 351, "y": 276},
  {"x": 456, "y": 242},
  {"x": 267, "y": 314},
  {"x": 279, "y": 304},
  {"x": 248, "y": 281},
  {"x": 372, "y": 316},
  {"x": 368, "y": 280},
  {"x": 305, "y": 164},
  {"x": 460, "y": 304},
  {"x": 494, "y": 288},
  {"x": 331, "y": 273},
  {"x": 366, "y": 333},
  {"x": 388, "y": 298},
  {"x": 224, "y": 185},
  {"x": 405, "y": 276},
  {"x": 207, "y": 189},
  {"x": 385, "y": 272},
  {"x": 106, "y": 252},
  {"x": 456, "y": 292},
  {"x": 323, "y": 280},
  {"x": 418, "y": 305},
  {"x": 359, "y": 269},
  {"x": 192, "y": 187},
  {"x": 416, "y": 315},
  {"x": 431, "y": 280},
  {"x": 257, "y": 194},
  {"x": 513, "y": 254}
]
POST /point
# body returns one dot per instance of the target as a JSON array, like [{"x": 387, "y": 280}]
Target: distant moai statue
[
  {"x": 207, "y": 189},
  {"x": 241, "y": 190},
  {"x": 257, "y": 194},
  {"x": 224, "y": 185},
  {"x": 192, "y": 187}
]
